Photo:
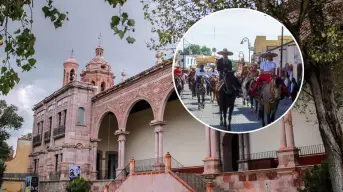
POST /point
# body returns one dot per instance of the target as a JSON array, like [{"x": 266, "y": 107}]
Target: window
[
  {"x": 59, "y": 118},
  {"x": 103, "y": 86},
  {"x": 65, "y": 117},
  {"x": 81, "y": 116},
  {"x": 35, "y": 165},
  {"x": 56, "y": 163},
  {"x": 103, "y": 66},
  {"x": 38, "y": 128},
  {"x": 93, "y": 83},
  {"x": 50, "y": 123}
]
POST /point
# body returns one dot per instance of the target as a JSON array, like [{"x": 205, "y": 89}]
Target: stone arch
[
  {"x": 98, "y": 122},
  {"x": 129, "y": 108},
  {"x": 161, "y": 110}
]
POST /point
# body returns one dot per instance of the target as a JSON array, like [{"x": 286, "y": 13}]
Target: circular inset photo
[{"x": 238, "y": 70}]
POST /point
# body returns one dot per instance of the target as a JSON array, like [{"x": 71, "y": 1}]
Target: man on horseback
[
  {"x": 200, "y": 89},
  {"x": 224, "y": 63},
  {"x": 213, "y": 73},
  {"x": 267, "y": 73},
  {"x": 191, "y": 81}
]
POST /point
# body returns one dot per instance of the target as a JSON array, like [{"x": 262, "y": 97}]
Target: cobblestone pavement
[{"x": 242, "y": 117}]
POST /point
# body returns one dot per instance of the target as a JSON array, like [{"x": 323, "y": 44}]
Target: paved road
[{"x": 242, "y": 117}]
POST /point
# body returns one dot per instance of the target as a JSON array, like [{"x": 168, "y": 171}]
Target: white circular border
[{"x": 243, "y": 132}]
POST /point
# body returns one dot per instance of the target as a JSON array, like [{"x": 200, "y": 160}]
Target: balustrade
[
  {"x": 37, "y": 140},
  {"x": 47, "y": 136},
  {"x": 59, "y": 132}
]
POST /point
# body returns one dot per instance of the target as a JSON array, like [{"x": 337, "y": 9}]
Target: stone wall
[
  {"x": 53, "y": 186},
  {"x": 98, "y": 186},
  {"x": 271, "y": 180}
]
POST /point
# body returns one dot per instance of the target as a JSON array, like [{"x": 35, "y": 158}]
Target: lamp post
[
  {"x": 239, "y": 56},
  {"x": 245, "y": 39}
]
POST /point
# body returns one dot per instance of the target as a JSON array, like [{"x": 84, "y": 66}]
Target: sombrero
[
  {"x": 177, "y": 65},
  {"x": 268, "y": 54},
  {"x": 225, "y": 51},
  {"x": 199, "y": 64},
  {"x": 212, "y": 65}
]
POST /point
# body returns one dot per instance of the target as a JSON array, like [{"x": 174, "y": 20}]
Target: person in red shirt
[{"x": 177, "y": 71}]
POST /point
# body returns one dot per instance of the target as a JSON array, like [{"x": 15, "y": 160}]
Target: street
[{"x": 242, "y": 118}]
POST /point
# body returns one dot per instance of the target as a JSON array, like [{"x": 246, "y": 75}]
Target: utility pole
[
  {"x": 281, "y": 50},
  {"x": 183, "y": 53}
]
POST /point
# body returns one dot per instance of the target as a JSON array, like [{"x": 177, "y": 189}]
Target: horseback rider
[
  {"x": 267, "y": 72},
  {"x": 191, "y": 77},
  {"x": 200, "y": 72},
  {"x": 245, "y": 70},
  {"x": 177, "y": 71},
  {"x": 212, "y": 73},
  {"x": 224, "y": 63}
]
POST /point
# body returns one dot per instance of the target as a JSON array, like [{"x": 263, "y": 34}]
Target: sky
[
  {"x": 226, "y": 29},
  {"x": 87, "y": 19}
]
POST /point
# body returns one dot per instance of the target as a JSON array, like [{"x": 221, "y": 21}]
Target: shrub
[
  {"x": 317, "y": 179},
  {"x": 2, "y": 171},
  {"x": 79, "y": 185}
]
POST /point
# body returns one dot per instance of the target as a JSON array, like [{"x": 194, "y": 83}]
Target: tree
[
  {"x": 197, "y": 50},
  {"x": 27, "y": 136},
  {"x": 317, "y": 179},
  {"x": 9, "y": 120}
]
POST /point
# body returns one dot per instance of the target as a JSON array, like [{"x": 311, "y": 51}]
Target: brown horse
[
  {"x": 214, "y": 92},
  {"x": 269, "y": 98}
]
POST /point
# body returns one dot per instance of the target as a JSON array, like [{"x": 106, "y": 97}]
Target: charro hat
[
  {"x": 212, "y": 65},
  {"x": 225, "y": 52},
  {"x": 268, "y": 54}
]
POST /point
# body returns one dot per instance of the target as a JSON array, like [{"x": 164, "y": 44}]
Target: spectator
[{"x": 294, "y": 89}]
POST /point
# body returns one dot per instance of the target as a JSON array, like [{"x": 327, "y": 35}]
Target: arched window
[
  {"x": 93, "y": 82},
  {"x": 103, "y": 86},
  {"x": 81, "y": 116},
  {"x": 72, "y": 75}
]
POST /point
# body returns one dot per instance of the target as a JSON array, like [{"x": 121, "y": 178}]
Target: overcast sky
[
  {"x": 87, "y": 19},
  {"x": 226, "y": 29}
]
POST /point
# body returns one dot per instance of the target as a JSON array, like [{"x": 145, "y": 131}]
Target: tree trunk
[{"x": 329, "y": 126}]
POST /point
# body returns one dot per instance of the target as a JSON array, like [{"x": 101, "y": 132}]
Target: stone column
[
  {"x": 212, "y": 163},
  {"x": 289, "y": 130},
  {"x": 241, "y": 152},
  {"x": 288, "y": 156},
  {"x": 208, "y": 144},
  {"x": 158, "y": 141},
  {"x": 93, "y": 158},
  {"x": 121, "y": 151},
  {"x": 246, "y": 150},
  {"x": 283, "y": 143}
]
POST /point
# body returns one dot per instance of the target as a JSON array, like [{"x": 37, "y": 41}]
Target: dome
[
  {"x": 98, "y": 60},
  {"x": 71, "y": 60}
]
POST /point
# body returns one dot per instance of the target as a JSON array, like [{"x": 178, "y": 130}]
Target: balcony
[
  {"x": 59, "y": 132},
  {"x": 37, "y": 140},
  {"x": 47, "y": 136},
  {"x": 55, "y": 176}
]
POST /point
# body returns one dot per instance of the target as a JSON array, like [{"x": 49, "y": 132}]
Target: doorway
[
  {"x": 98, "y": 160},
  {"x": 230, "y": 148},
  {"x": 112, "y": 165}
]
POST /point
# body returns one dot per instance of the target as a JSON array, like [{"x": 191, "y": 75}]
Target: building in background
[
  {"x": 262, "y": 45},
  {"x": 17, "y": 167}
]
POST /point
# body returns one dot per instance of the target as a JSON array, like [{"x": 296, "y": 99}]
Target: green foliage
[
  {"x": 27, "y": 136},
  {"x": 9, "y": 120},
  {"x": 79, "y": 185},
  {"x": 197, "y": 50},
  {"x": 2, "y": 171},
  {"x": 317, "y": 179}
]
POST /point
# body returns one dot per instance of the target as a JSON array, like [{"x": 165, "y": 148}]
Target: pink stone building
[{"x": 99, "y": 126}]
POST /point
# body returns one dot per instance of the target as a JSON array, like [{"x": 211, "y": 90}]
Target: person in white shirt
[
  {"x": 200, "y": 72},
  {"x": 213, "y": 71},
  {"x": 267, "y": 71}
]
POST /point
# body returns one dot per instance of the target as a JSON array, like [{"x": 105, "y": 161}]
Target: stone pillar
[
  {"x": 212, "y": 163},
  {"x": 241, "y": 152},
  {"x": 283, "y": 143},
  {"x": 132, "y": 166},
  {"x": 288, "y": 156},
  {"x": 93, "y": 158},
  {"x": 167, "y": 162},
  {"x": 121, "y": 151},
  {"x": 208, "y": 144},
  {"x": 158, "y": 141},
  {"x": 246, "y": 151}
]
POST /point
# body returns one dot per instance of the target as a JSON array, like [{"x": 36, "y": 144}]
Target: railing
[
  {"x": 153, "y": 164},
  {"x": 55, "y": 175},
  {"x": 119, "y": 178},
  {"x": 47, "y": 136},
  {"x": 311, "y": 150},
  {"x": 263, "y": 155},
  {"x": 59, "y": 132},
  {"x": 17, "y": 176},
  {"x": 194, "y": 181},
  {"x": 37, "y": 140}
]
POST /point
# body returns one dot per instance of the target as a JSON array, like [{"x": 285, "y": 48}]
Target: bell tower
[{"x": 70, "y": 69}]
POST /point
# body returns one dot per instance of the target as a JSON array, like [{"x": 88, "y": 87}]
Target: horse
[
  {"x": 245, "y": 88},
  {"x": 201, "y": 91},
  {"x": 227, "y": 93},
  {"x": 191, "y": 84},
  {"x": 213, "y": 91},
  {"x": 269, "y": 98},
  {"x": 178, "y": 85},
  {"x": 251, "y": 98}
]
